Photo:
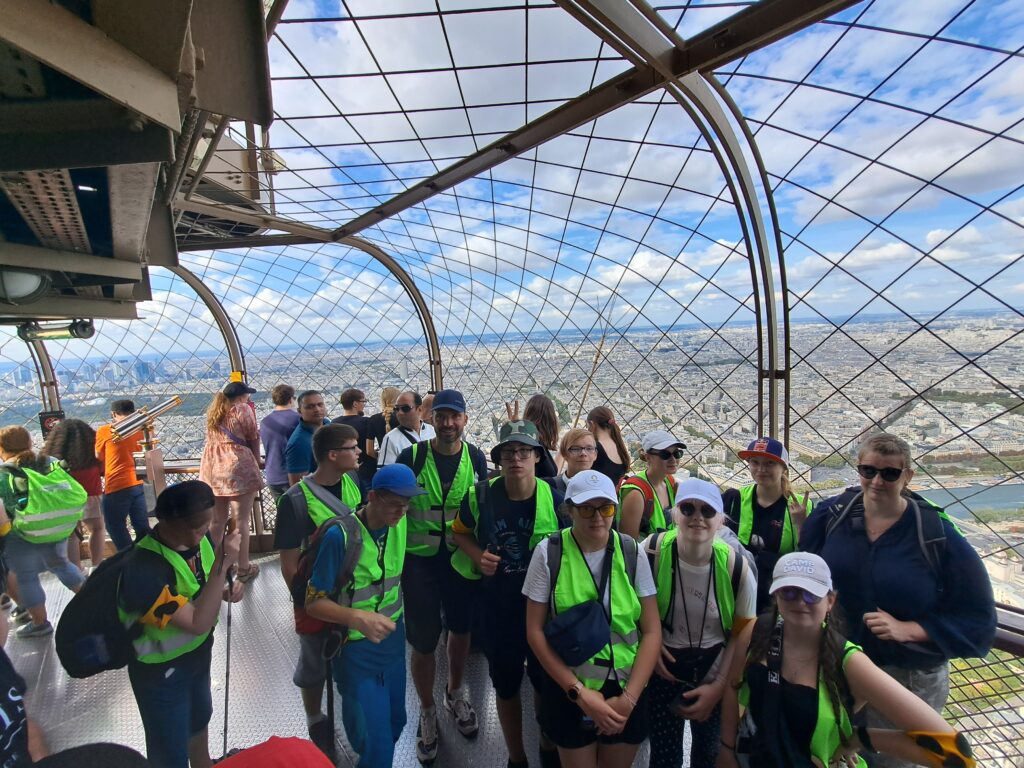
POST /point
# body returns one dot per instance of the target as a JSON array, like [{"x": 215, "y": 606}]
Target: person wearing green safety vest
[
  {"x": 500, "y": 523},
  {"x": 799, "y": 683},
  {"x": 446, "y": 467},
  {"x": 369, "y": 605},
  {"x": 645, "y": 497},
  {"x": 706, "y": 594},
  {"x": 41, "y": 505},
  {"x": 595, "y": 712},
  {"x": 767, "y": 514},
  {"x": 171, "y": 589},
  {"x": 330, "y": 490}
]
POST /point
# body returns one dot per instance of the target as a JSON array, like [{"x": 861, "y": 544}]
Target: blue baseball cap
[
  {"x": 449, "y": 399},
  {"x": 397, "y": 479}
]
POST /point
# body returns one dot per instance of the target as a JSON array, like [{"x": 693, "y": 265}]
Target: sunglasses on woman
[
  {"x": 587, "y": 513},
  {"x": 689, "y": 509},
  {"x": 666, "y": 455},
  {"x": 889, "y": 474},
  {"x": 792, "y": 594}
]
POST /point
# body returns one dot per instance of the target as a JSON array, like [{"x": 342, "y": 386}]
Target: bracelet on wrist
[
  {"x": 730, "y": 747},
  {"x": 629, "y": 697}
]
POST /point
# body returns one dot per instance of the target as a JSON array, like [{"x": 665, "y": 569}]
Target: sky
[{"x": 891, "y": 135}]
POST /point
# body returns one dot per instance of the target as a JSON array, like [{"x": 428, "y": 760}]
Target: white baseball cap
[
  {"x": 695, "y": 489},
  {"x": 589, "y": 484},
  {"x": 659, "y": 440},
  {"x": 804, "y": 570}
]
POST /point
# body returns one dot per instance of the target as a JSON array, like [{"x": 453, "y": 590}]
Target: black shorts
[
  {"x": 430, "y": 585},
  {"x": 562, "y": 720},
  {"x": 504, "y": 642}
]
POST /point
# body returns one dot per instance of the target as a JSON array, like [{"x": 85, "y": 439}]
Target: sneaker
[
  {"x": 322, "y": 735},
  {"x": 20, "y": 616},
  {"x": 426, "y": 738},
  {"x": 35, "y": 630},
  {"x": 460, "y": 708},
  {"x": 5, "y": 602}
]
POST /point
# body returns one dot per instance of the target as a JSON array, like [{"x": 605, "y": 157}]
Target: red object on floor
[{"x": 277, "y": 752}]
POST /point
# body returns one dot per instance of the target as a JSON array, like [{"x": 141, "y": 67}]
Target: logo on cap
[
  {"x": 760, "y": 445},
  {"x": 799, "y": 566}
]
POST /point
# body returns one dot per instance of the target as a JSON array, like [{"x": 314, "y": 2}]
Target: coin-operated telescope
[{"x": 144, "y": 419}]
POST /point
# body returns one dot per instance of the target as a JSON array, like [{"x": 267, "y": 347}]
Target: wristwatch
[{"x": 574, "y": 692}]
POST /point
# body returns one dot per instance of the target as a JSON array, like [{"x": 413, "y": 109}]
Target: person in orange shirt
[{"x": 122, "y": 490}]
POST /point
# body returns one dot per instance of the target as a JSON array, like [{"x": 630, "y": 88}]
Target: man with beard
[{"x": 446, "y": 467}]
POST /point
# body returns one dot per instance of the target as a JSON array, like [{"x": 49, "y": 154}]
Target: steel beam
[
  {"x": 737, "y": 36},
  {"x": 52, "y": 260},
  {"x": 253, "y": 241},
  {"x": 227, "y": 328},
  {"x": 63, "y": 41},
  {"x": 70, "y": 307}
]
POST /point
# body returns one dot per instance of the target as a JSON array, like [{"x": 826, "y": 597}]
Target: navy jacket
[{"x": 893, "y": 575}]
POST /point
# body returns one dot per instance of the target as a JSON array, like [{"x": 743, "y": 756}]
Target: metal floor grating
[{"x": 263, "y": 700}]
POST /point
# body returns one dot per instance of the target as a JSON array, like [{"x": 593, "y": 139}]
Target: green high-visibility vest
[
  {"x": 659, "y": 521},
  {"x": 427, "y": 523},
  {"x": 377, "y": 579},
  {"x": 50, "y": 505},
  {"x": 319, "y": 512},
  {"x": 545, "y": 522},
  {"x": 157, "y": 646},
  {"x": 720, "y": 575},
  {"x": 746, "y": 525},
  {"x": 575, "y": 585},
  {"x": 829, "y": 729}
]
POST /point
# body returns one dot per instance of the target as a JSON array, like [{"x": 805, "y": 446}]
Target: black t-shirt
[
  {"x": 768, "y": 525},
  {"x": 361, "y": 425},
  {"x": 606, "y": 466},
  {"x": 295, "y": 526},
  {"x": 799, "y": 707},
  {"x": 14, "y": 723},
  {"x": 375, "y": 430},
  {"x": 448, "y": 466}
]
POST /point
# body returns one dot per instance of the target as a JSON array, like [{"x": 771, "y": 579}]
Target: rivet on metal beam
[{"x": 508, "y": 148}]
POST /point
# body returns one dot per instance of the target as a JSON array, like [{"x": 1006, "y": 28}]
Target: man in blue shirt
[{"x": 298, "y": 454}]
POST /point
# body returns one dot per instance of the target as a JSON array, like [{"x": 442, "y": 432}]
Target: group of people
[{"x": 783, "y": 633}]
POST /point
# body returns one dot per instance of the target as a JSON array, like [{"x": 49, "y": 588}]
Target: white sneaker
[
  {"x": 426, "y": 737},
  {"x": 465, "y": 717}
]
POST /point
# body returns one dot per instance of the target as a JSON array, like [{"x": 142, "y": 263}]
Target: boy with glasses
[
  {"x": 645, "y": 497},
  {"x": 500, "y": 523}
]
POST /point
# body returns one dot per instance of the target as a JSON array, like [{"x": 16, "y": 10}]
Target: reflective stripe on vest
[
  {"x": 54, "y": 502},
  {"x": 828, "y": 733},
  {"x": 722, "y": 578},
  {"x": 157, "y": 646},
  {"x": 319, "y": 512},
  {"x": 545, "y": 522},
  {"x": 427, "y": 518},
  {"x": 658, "y": 521},
  {"x": 376, "y": 582},
  {"x": 575, "y": 585},
  {"x": 746, "y": 523}
]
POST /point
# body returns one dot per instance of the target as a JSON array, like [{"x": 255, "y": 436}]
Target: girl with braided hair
[{"x": 800, "y": 682}]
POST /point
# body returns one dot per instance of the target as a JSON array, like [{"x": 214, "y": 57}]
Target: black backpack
[
  {"x": 304, "y": 623},
  {"x": 90, "y": 637}
]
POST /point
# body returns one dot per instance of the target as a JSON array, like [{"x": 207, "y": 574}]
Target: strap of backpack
[
  {"x": 554, "y": 564},
  {"x": 848, "y": 499},
  {"x": 327, "y": 498},
  {"x": 931, "y": 536},
  {"x": 419, "y": 458},
  {"x": 630, "y": 553},
  {"x": 735, "y": 571},
  {"x": 353, "y": 551},
  {"x": 485, "y": 519},
  {"x": 654, "y": 552},
  {"x": 413, "y": 439},
  {"x": 647, "y": 491}
]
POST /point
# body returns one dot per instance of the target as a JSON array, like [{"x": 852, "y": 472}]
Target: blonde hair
[
  {"x": 388, "y": 398},
  {"x": 887, "y": 445},
  {"x": 571, "y": 437},
  {"x": 217, "y": 410}
]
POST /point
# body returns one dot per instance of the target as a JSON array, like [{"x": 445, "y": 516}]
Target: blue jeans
[
  {"x": 175, "y": 703},
  {"x": 119, "y": 505},
  {"x": 372, "y": 689},
  {"x": 28, "y": 560}
]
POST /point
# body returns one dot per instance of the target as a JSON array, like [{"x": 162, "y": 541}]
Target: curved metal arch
[
  {"x": 49, "y": 387},
  {"x": 227, "y": 328}
]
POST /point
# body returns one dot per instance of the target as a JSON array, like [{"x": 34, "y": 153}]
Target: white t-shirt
[
  {"x": 694, "y": 579},
  {"x": 537, "y": 586},
  {"x": 396, "y": 441}
]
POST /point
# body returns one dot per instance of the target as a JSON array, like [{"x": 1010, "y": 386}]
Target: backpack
[
  {"x": 90, "y": 637},
  {"x": 648, "y": 493},
  {"x": 629, "y": 553},
  {"x": 304, "y": 623},
  {"x": 49, "y": 503},
  {"x": 931, "y": 535}
]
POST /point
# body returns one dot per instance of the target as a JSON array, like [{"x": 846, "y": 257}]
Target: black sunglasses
[
  {"x": 405, "y": 408},
  {"x": 792, "y": 594},
  {"x": 889, "y": 474},
  {"x": 688, "y": 509},
  {"x": 666, "y": 455}
]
